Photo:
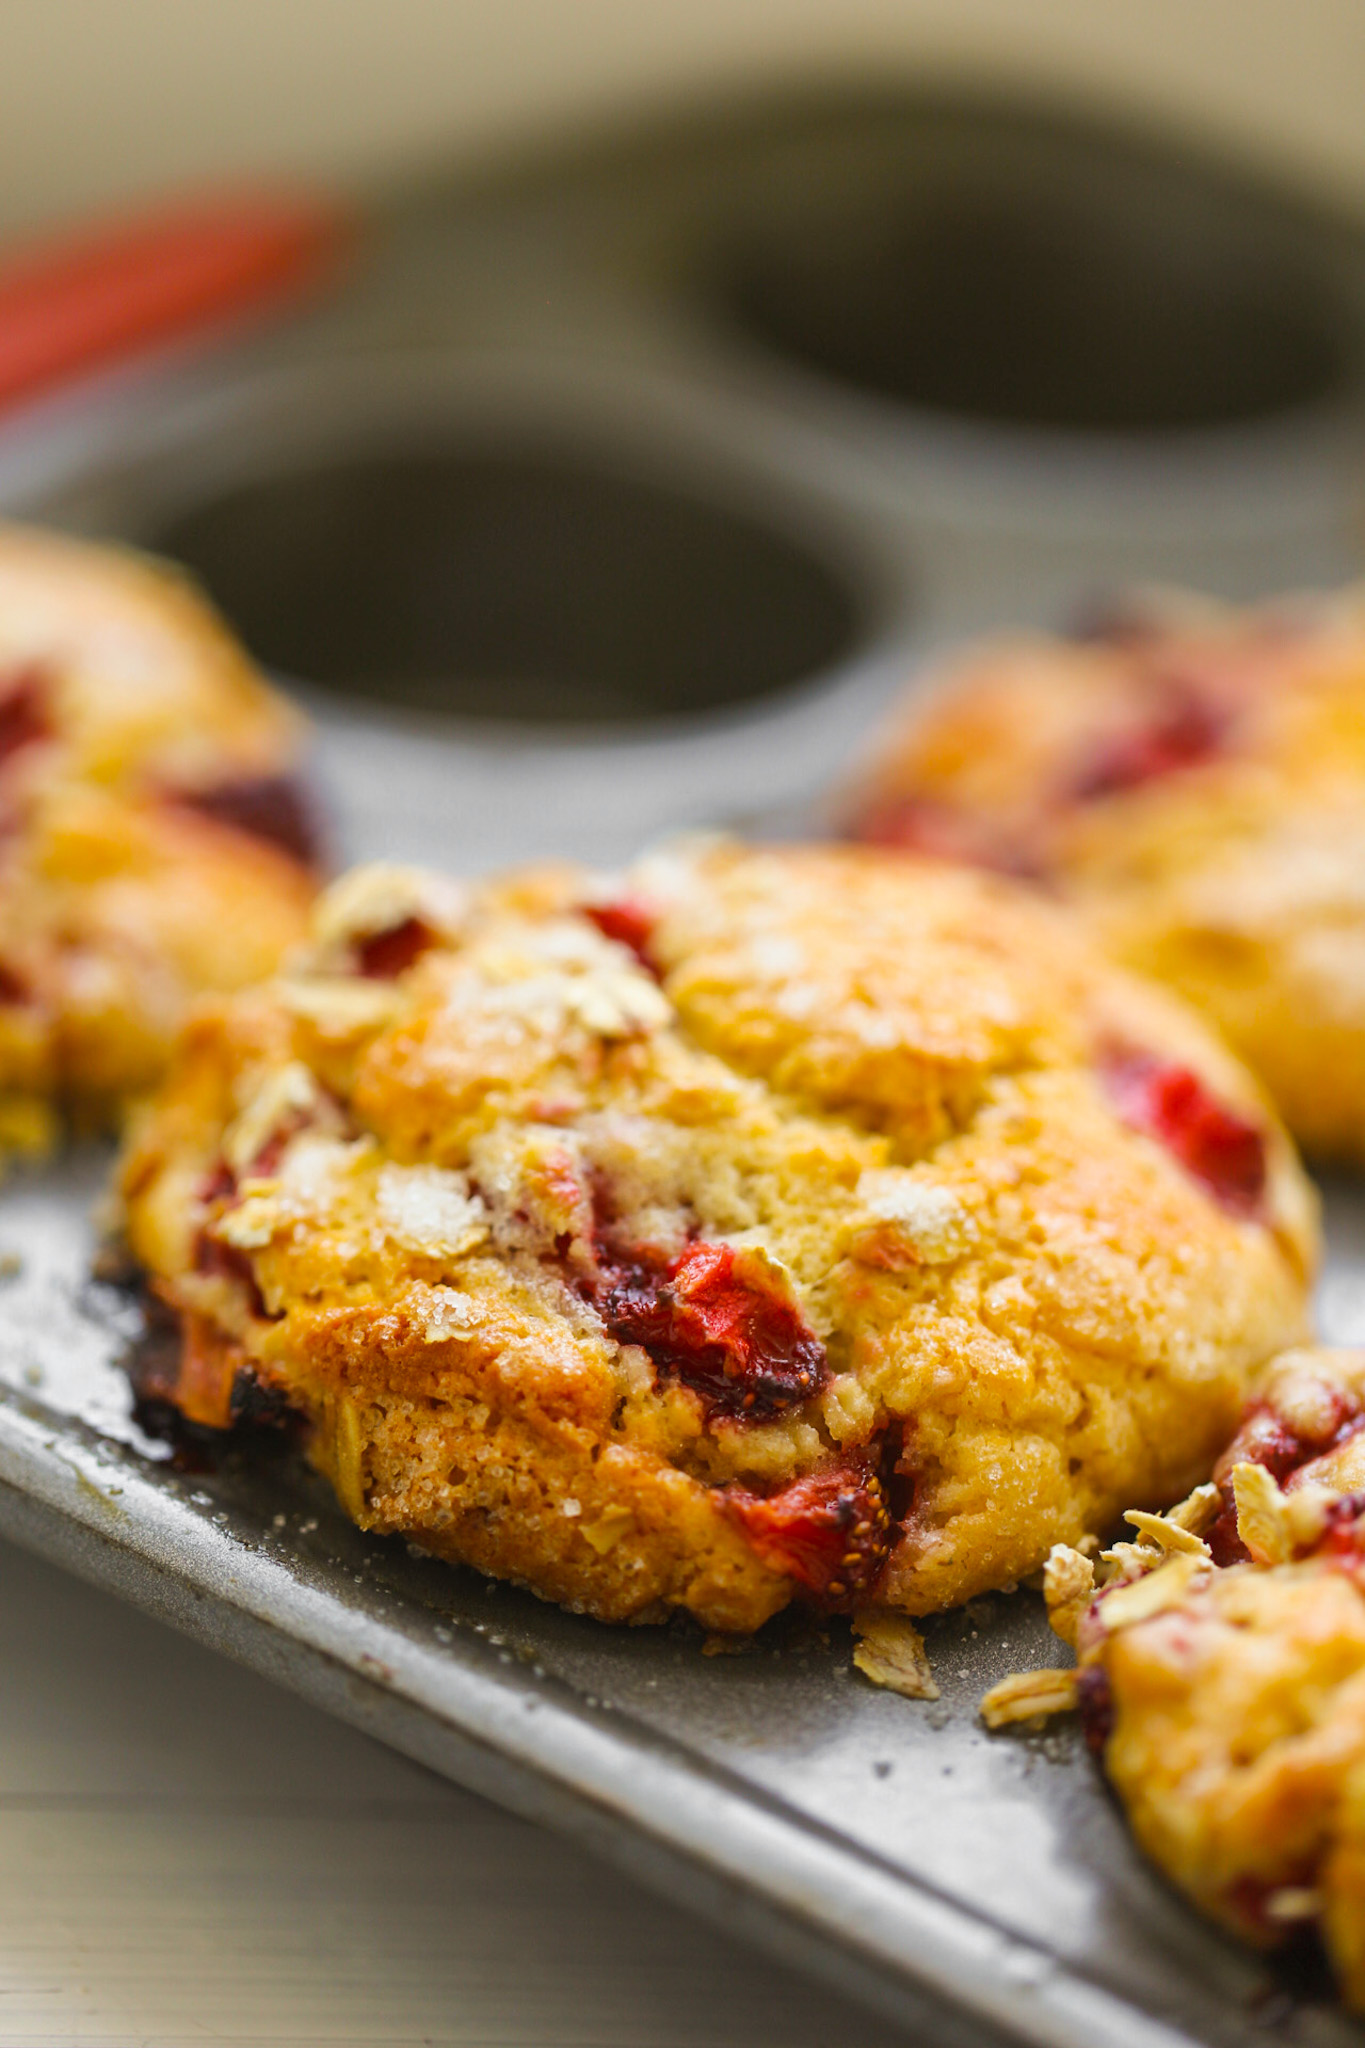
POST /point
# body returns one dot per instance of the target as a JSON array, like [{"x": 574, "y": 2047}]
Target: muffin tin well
[
  {"x": 492, "y": 578},
  {"x": 535, "y": 582},
  {"x": 1042, "y": 273}
]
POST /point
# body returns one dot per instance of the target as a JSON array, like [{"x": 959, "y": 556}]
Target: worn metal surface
[
  {"x": 982, "y": 1887},
  {"x": 975, "y": 1884}
]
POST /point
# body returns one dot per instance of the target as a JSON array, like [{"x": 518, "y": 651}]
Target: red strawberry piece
[
  {"x": 1097, "y": 1706},
  {"x": 229, "y": 1262},
  {"x": 706, "y": 1319},
  {"x": 1185, "y": 732},
  {"x": 630, "y": 922},
  {"x": 274, "y": 808},
  {"x": 218, "y": 1184},
  {"x": 920, "y": 824},
  {"x": 1219, "y": 1148},
  {"x": 219, "y": 1193},
  {"x": 832, "y": 1532},
  {"x": 1265, "y": 1438},
  {"x": 383, "y": 956},
  {"x": 25, "y": 713},
  {"x": 1343, "y": 1540}
]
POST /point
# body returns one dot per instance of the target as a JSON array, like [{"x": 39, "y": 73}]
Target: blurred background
[
  {"x": 104, "y": 104},
  {"x": 647, "y": 390}
]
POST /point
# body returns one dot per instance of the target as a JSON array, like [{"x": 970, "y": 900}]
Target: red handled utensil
[{"x": 107, "y": 293}]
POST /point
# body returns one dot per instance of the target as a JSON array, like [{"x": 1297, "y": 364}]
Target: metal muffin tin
[{"x": 616, "y": 493}]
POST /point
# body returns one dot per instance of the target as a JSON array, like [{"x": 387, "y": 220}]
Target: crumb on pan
[
  {"x": 1068, "y": 1589},
  {"x": 889, "y": 1650},
  {"x": 1029, "y": 1696}
]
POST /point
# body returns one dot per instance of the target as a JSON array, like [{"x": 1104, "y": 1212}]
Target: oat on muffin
[
  {"x": 808, "y": 1222},
  {"x": 1193, "y": 779},
  {"x": 1221, "y": 1669},
  {"x": 155, "y": 839}
]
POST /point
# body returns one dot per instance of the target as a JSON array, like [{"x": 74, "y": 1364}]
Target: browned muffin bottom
[
  {"x": 768, "y": 1223},
  {"x": 155, "y": 838}
]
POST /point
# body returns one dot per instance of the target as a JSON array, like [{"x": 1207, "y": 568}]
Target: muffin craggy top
[{"x": 801, "y": 1220}]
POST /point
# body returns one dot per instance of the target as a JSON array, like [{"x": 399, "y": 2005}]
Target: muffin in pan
[
  {"x": 1193, "y": 779},
  {"x": 805, "y": 1222},
  {"x": 1221, "y": 1670},
  {"x": 155, "y": 838}
]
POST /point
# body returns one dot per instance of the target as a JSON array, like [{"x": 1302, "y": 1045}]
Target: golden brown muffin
[
  {"x": 1221, "y": 1670},
  {"x": 795, "y": 1222},
  {"x": 155, "y": 840},
  {"x": 1194, "y": 781}
]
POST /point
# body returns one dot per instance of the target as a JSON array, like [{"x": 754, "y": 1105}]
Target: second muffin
[{"x": 1193, "y": 780}]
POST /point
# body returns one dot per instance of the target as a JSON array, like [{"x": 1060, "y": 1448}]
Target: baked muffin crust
[
  {"x": 155, "y": 838},
  {"x": 1193, "y": 781},
  {"x": 765, "y": 1223}
]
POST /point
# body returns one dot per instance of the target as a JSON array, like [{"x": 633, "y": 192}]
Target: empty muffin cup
[
  {"x": 536, "y": 580},
  {"x": 1038, "y": 272}
]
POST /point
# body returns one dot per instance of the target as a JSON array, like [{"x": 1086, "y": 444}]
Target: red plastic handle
[{"x": 114, "y": 291}]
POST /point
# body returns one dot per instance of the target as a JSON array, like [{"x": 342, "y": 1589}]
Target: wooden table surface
[{"x": 190, "y": 1856}]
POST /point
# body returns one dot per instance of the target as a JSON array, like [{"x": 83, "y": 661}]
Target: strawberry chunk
[
  {"x": 1265, "y": 1438},
  {"x": 1097, "y": 1707},
  {"x": 1185, "y": 732},
  {"x": 831, "y": 1532},
  {"x": 920, "y": 824},
  {"x": 630, "y": 922},
  {"x": 1343, "y": 1540},
  {"x": 25, "y": 714},
  {"x": 274, "y": 808},
  {"x": 383, "y": 956},
  {"x": 713, "y": 1325},
  {"x": 1220, "y": 1149}
]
